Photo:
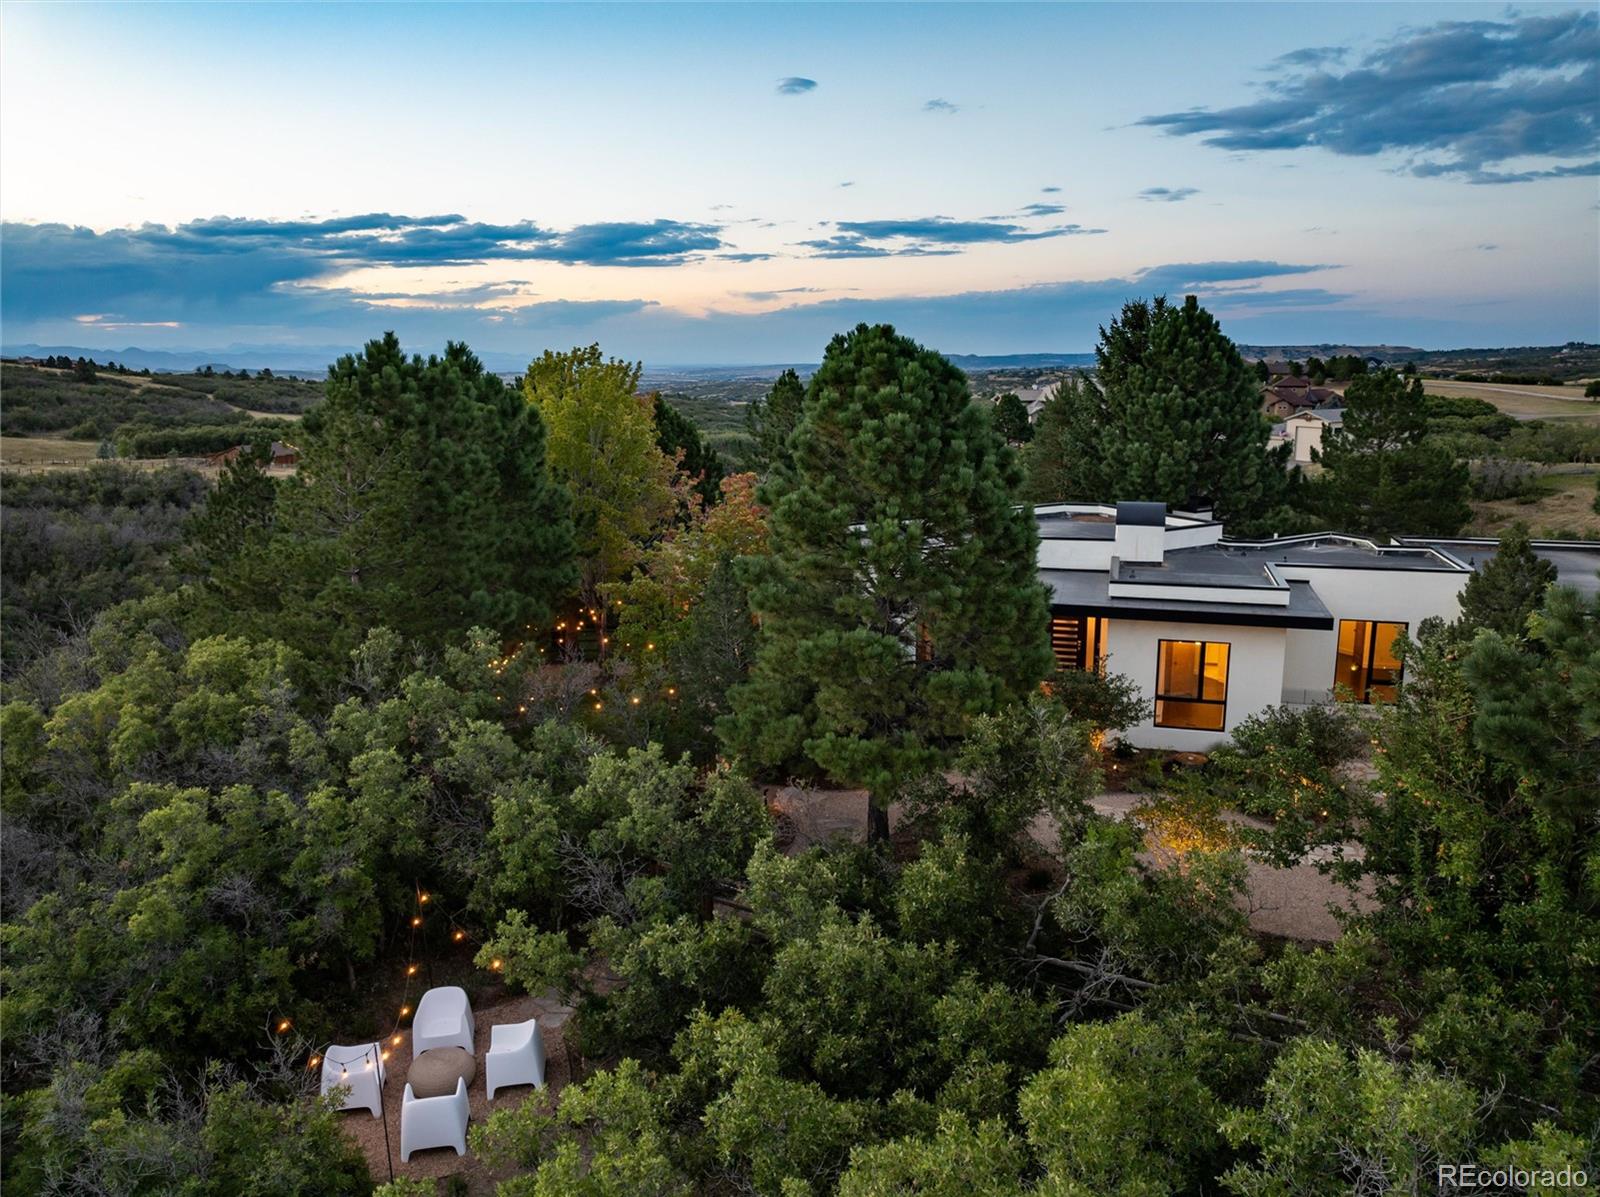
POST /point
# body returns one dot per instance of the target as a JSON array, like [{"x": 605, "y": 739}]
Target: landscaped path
[{"x": 1290, "y": 902}]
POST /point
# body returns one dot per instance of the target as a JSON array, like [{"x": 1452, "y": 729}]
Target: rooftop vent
[{"x": 1141, "y": 533}]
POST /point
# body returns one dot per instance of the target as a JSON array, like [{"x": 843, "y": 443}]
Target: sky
[{"x": 737, "y": 183}]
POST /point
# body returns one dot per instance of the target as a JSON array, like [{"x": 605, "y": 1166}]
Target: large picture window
[
  {"x": 1192, "y": 684},
  {"x": 1366, "y": 667},
  {"x": 1077, "y": 641}
]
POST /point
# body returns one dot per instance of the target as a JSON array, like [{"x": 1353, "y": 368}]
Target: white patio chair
[
  {"x": 516, "y": 1056},
  {"x": 358, "y": 1069},
  {"x": 444, "y": 1019},
  {"x": 433, "y": 1122}
]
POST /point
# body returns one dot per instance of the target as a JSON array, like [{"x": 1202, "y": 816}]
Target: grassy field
[
  {"x": 1524, "y": 402},
  {"x": 1564, "y": 507},
  {"x": 44, "y": 450}
]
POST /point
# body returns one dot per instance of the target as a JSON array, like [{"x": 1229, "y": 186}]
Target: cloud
[
  {"x": 745, "y": 257},
  {"x": 1487, "y": 246},
  {"x": 1311, "y": 56},
  {"x": 1049, "y": 190},
  {"x": 1168, "y": 195},
  {"x": 1059, "y": 316},
  {"x": 796, "y": 85},
  {"x": 848, "y": 183},
  {"x": 61, "y": 270},
  {"x": 935, "y": 235},
  {"x": 1458, "y": 98},
  {"x": 1042, "y": 210},
  {"x": 945, "y": 106}
]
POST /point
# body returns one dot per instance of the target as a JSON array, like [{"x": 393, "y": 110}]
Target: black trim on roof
[{"x": 1270, "y": 617}]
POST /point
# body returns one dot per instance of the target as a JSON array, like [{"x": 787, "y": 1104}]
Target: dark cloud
[
  {"x": 1458, "y": 98},
  {"x": 1487, "y": 246},
  {"x": 1049, "y": 190},
  {"x": 945, "y": 106},
  {"x": 744, "y": 257},
  {"x": 1311, "y": 56},
  {"x": 934, "y": 235},
  {"x": 66, "y": 270},
  {"x": 1168, "y": 195},
  {"x": 796, "y": 85}
]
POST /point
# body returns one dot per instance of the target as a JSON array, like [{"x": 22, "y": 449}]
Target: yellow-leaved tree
[{"x": 602, "y": 447}]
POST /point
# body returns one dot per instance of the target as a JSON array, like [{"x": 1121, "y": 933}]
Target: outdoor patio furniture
[
  {"x": 444, "y": 1019},
  {"x": 435, "y": 1072},
  {"x": 433, "y": 1121},
  {"x": 359, "y": 1069},
  {"x": 516, "y": 1056}
]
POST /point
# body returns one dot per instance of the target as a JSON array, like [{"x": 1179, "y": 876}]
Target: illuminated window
[
  {"x": 1192, "y": 684},
  {"x": 1078, "y": 642},
  {"x": 1366, "y": 667}
]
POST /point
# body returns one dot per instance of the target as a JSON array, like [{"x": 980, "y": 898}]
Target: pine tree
[
  {"x": 1062, "y": 461},
  {"x": 422, "y": 504},
  {"x": 772, "y": 419},
  {"x": 1508, "y": 589},
  {"x": 900, "y": 598},
  {"x": 1180, "y": 418},
  {"x": 700, "y": 464},
  {"x": 1382, "y": 475},
  {"x": 1011, "y": 419}
]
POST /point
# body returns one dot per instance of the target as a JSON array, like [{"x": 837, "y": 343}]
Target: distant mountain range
[{"x": 313, "y": 360}]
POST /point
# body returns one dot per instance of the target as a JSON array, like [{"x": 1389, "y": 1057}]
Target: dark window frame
[
  {"x": 1367, "y": 685},
  {"x": 1198, "y": 698}
]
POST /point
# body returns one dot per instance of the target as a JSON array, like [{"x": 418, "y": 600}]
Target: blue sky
[{"x": 735, "y": 183}]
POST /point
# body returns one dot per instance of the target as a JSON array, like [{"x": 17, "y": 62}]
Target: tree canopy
[
  {"x": 604, "y": 449},
  {"x": 899, "y": 599},
  {"x": 1382, "y": 474},
  {"x": 1173, "y": 416}
]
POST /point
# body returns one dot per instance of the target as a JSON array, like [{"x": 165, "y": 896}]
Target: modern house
[
  {"x": 1215, "y": 630},
  {"x": 1304, "y": 431},
  {"x": 1290, "y": 395}
]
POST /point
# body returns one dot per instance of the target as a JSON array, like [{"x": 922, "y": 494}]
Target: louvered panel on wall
[{"x": 1066, "y": 640}]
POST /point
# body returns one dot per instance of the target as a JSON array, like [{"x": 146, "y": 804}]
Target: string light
[
  {"x": 494, "y": 965},
  {"x": 284, "y": 1026},
  {"x": 423, "y": 897},
  {"x": 411, "y": 970},
  {"x": 459, "y": 936},
  {"x": 404, "y": 1010},
  {"x": 395, "y": 1041},
  {"x": 416, "y": 921}
]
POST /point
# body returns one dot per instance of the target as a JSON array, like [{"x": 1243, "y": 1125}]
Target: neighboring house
[
  {"x": 1304, "y": 431},
  {"x": 1285, "y": 396},
  {"x": 283, "y": 454},
  {"x": 1214, "y": 630},
  {"x": 1034, "y": 398}
]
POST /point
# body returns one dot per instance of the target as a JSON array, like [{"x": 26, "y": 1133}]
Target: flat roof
[
  {"x": 1576, "y": 561},
  {"x": 1087, "y": 592}
]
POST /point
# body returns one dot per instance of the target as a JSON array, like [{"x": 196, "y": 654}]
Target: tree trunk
[{"x": 877, "y": 823}]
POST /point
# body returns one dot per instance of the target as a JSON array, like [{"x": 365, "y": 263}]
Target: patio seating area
[{"x": 421, "y": 1112}]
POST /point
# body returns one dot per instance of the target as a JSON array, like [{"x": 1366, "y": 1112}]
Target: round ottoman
[{"x": 435, "y": 1072}]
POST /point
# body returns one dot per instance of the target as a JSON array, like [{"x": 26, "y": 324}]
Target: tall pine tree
[
  {"x": 772, "y": 419},
  {"x": 900, "y": 599},
  {"x": 422, "y": 504},
  {"x": 1508, "y": 588},
  {"x": 1382, "y": 475},
  {"x": 1174, "y": 416}
]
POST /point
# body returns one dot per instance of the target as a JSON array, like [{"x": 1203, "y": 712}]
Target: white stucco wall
[
  {"x": 1255, "y": 673},
  {"x": 1397, "y": 596}
]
